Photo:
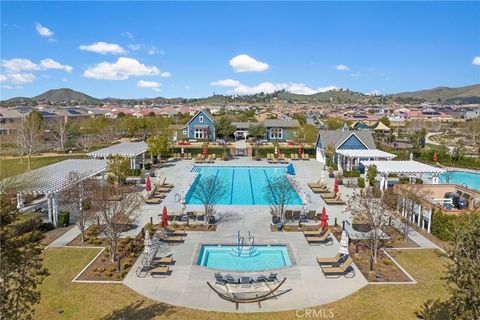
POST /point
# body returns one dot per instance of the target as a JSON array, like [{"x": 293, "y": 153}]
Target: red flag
[
  {"x": 278, "y": 152},
  {"x": 148, "y": 185},
  {"x": 164, "y": 217},
  {"x": 324, "y": 219},
  {"x": 335, "y": 187},
  {"x": 435, "y": 156}
]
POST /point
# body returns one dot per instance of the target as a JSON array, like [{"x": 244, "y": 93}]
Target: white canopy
[
  {"x": 127, "y": 149},
  {"x": 403, "y": 167},
  {"x": 55, "y": 177},
  {"x": 344, "y": 243},
  {"x": 366, "y": 153}
]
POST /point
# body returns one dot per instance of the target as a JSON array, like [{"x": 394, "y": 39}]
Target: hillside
[
  {"x": 468, "y": 94},
  {"x": 65, "y": 95}
]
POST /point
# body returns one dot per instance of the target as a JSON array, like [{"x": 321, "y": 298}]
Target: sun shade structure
[
  {"x": 409, "y": 168},
  {"x": 54, "y": 178},
  {"x": 131, "y": 150},
  {"x": 347, "y": 158}
]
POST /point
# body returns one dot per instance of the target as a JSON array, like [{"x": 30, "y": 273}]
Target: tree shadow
[
  {"x": 138, "y": 311},
  {"x": 228, "y": 217},
  {"x": 433, "y": 310}
]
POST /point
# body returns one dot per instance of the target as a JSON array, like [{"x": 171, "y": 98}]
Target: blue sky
[{"x": 186, "y": 49}]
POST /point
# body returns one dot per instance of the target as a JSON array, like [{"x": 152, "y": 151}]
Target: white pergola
[
  {"x": 54, "y": 178},
  {"x": 129, "y": 150},
  {"x": 352, "y": 157},
  {"x": 409, "y": 168}
]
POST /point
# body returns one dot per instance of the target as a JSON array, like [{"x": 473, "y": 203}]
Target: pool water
[
  {"x": 258, "y": 258},
  {"x": 469, "y": 179},
  {"x": 245, "y": 185}
]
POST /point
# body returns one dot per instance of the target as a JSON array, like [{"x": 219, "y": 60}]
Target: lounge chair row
[
  {"x": 302, "y": 156},
  {"x": 159, "y": 193},
  {"x": 228, "y": 278},
  {"x": 201, "y": 159},
  {"x": 335, "y": 267},
  {"x": 158, "y": 267},
  {"x": 319, "y": 237},
  {"x": 332, "y": 198},
  {"x": 281, "y": 159},
  {"x": 297, "y": 215},
  {"x": 179, "y": 156}
]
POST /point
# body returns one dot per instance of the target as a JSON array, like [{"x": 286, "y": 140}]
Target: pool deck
[{"x": 186, "y": 286}]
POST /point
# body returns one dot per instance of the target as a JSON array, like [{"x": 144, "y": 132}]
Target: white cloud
[
  {"x": 3, "y": 78},
  {"x": 268, "y": 87},
  {"x": 165, "y": 74},
  {"x": 342, "y": 67},
  {"x": 18, "y": 64},
  {"x": 11, "y": 87},
  {"x": 148, "y": 84},
  {"x": 18, "y": 78},
  {"x": 245, "y": 63},
  {"x": 373, "y": 93},
  {"x": 43, "y": 31},
  {"x": 129, "y": 35},
  {"x": 225, "y": 83},
  {"x": 476, "y": 60},
  {"x": 120, "y": 70},
  {"x": 355, "y": 75},
  {"x": 157, "y": 89},
  {"x": 134, "y": 47},
  {"x": 103, "y": 48},
  {"x": 52, "y": 64}
]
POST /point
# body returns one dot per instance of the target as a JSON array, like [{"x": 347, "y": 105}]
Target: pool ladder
[{"x": 240, "y": 250}]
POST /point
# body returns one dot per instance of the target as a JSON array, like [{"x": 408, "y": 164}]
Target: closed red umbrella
[
  {"x": 148, "y": 185},
  {"x": 278, "y": 152},
  {"x": 335, "y": 186},
  {"x": 435, "y": 156},
  {"x": 299, "y": 151},
  {"x": 164, "y": 217},
  {"x": 324, "y": 219},
  {"x": 205, "y": 151}
]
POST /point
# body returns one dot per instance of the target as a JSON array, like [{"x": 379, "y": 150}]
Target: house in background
[
  {"x": 179, "y": 132},
  {"x": 343, "y": 140},
  {"x": 201, "y": 126},
  {"x": 281, "y": 130}
]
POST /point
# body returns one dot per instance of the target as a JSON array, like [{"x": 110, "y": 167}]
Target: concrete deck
[{"x": 186, "y": 286}]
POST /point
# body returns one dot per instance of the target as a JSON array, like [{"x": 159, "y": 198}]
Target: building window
[
  {"x": 199, "y": 134},
  {"x": 200, "y": 119},
  {"x": 276, "y": 133},
  {"x": 185, "y": 132},
  {"x": 295, "y": 134}
]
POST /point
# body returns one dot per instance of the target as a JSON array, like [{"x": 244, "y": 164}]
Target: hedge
[
  {"x": 27, "y": 222},
  {"x": 351, "y": 174},
  {"x": 442, "y": 225},
  {"x": 361, "y": 182},
  {"x": 262, "y": 151},
  {"x": 63, "y": 219}
]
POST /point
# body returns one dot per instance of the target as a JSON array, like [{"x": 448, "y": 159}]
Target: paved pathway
[
  {"x": 416, "y": 236},
  {"x": 65, "y": 238},
  {"x": 186, "y": 286}
]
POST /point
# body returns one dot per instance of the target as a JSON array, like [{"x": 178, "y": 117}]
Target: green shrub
[
  {"x": 403, "y": 180},
  {"x": 27, "y": 222},
  {"x": 148, "y": 166},
  {"x": 442, "y": 225},
  {"x": 135, "y": 172},
  {"x": 63, "y": 219},
  {"x": 361, "y": 182},
  {"x": 351, "y": 174},
  {"x": 46, "y": 226}
]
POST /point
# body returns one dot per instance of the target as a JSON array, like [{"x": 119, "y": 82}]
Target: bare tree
[
  {"x": 117, "y": 208},
  {"x": 370, "y": 208},
  {"x": 61, "y": 131},
  {"x": 86, "y": 142},
  {"x": 79, "y": 197},
  {"x": 278, "y": 194},
  {"x": 31, "y": 132},
  {"x": 209, "y": 190}
]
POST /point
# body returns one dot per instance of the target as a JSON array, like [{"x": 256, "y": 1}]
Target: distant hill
[
  {"x": 65, "y": 95},
  {"x": 468, "y": 94}
]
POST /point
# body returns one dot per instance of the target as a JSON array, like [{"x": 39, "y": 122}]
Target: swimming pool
[
  {"x": 244, "y": 185},
  {"x": 469, "y": 179},
  {"x": 257, "y": 258}
]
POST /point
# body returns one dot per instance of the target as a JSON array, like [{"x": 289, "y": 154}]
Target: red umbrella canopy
[
  {"x": 435, "y": 156},
  {"x": 324, "y": 219},
  {"x": 299, "y": 151},
  {"x": 148, "y": 185},
  {"x": 205, "y": 151},
  {"x": 335, "y": 187},
  {"x": 164, "y": 217}
]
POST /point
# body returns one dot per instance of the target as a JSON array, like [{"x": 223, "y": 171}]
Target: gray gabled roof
[
  {"x": 243, "y": 125},
  {"x": 337, "y": 137},
  {"x": 275, "y": 123}
]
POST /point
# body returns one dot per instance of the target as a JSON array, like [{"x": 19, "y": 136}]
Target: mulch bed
[
  {"x": 91, "y": 238},
  {"x": 190, "y": 227},
  {"x": 52, "y": 235},
  {"x": 295, "y": 228}
]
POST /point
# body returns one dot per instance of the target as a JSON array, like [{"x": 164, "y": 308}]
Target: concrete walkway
[
  {"x": 65, "y": 238},
  {"x": 416, "y": 236},
  {"x": 186, "y": 286}
]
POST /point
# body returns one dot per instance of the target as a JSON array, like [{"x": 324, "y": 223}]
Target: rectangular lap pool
[
  {"x": 257, "y": 258},
  {"x": 244, "y": 185}
]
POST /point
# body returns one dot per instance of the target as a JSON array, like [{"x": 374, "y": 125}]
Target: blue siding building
[
  {"x": 201, "y": 126},
  {"x": 343, "y": 140}
]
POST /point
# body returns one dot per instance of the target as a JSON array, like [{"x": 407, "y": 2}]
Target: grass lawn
[
  {"x": 12, "y": 167},
  {"x": 62, "y": 299}
]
